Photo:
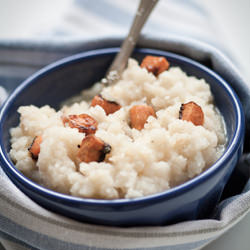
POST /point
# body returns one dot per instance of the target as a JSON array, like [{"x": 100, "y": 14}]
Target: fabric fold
[{"x": 34, "y": 227}]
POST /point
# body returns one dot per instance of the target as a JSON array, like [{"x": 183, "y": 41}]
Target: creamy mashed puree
[{"x": 166, "y": 152}]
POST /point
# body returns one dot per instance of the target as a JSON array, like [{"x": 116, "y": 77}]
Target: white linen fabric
[{"x": 24, "y": 224}]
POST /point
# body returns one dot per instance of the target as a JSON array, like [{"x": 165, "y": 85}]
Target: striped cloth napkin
[{"x": 24, "y": 224}]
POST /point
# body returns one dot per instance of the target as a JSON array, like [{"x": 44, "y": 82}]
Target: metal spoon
[{"x": 121, "y": 59}]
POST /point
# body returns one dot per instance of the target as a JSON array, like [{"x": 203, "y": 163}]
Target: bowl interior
[{"x": 61, "y": 80}]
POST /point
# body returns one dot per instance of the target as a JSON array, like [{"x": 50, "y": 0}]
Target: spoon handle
[{"x": 120, "y": 61}]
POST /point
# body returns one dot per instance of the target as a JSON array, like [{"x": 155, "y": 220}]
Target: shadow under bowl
[{"x": 194, "y": 199}]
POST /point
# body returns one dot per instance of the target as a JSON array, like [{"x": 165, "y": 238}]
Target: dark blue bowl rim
[{"x": 231, "y": 149}]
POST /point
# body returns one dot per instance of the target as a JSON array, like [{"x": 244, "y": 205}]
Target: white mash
[{"x": 166, "y": 153}]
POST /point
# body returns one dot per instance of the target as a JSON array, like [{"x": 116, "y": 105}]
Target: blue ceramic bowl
[{"x": 194, "y": 199}]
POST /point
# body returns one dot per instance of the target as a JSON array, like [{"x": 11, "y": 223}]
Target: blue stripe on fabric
[
  {"x": 10, "y": 83},
  {"x": 105, "y": 10},
  {"x": 17, "y": 242},
  {"x": 120, "y": 17},
  {"x": 39, "y": 241},
  {"x": 115, "y": 15}
]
